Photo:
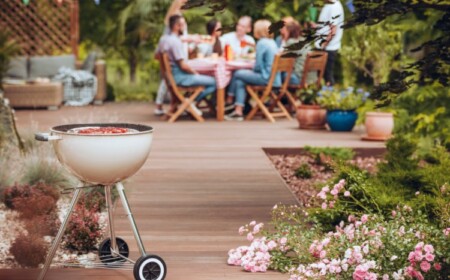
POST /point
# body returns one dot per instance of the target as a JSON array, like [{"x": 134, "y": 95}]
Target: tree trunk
[
  {"x": 132, "y": 63},
  {"x": 8, "y": 129}
]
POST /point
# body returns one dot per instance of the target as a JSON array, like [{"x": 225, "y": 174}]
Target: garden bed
[{"x": 287, "y": 160}]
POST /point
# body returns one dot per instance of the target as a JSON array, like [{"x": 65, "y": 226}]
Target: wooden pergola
[{"x": 42, "y": 27}]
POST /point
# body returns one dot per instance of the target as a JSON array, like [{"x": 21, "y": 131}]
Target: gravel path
[{"x": 305, "y": 189}]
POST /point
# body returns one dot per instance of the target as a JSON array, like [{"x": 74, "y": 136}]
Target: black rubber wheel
[
  {"x": 104, "y": 251},
  {"x": 150, "y": 267}
]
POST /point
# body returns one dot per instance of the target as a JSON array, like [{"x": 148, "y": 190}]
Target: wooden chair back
[
  {"x": 280, "y": 64},
  {"x": 315, "y": 62},
  {"x": 178, "y": 94}
]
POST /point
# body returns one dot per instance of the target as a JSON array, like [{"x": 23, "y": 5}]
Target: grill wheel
[
  {"x": 104, "y": 251},
  {"x": 150, "y": 267}
]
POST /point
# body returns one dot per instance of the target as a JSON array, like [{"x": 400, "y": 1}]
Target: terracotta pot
[
  {"x": 311, "y": 117},
  {"x": 379, "y": 126}
]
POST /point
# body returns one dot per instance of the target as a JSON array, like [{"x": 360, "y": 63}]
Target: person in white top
[
  {"x": 332, "y": 19},
  {"x": 239, "y": 41}
]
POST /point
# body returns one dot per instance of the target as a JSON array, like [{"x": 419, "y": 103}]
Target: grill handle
[{"x": 46, "y": 137}]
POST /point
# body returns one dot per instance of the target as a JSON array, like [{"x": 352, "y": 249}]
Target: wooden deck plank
[{"x": 201, "y": 182}]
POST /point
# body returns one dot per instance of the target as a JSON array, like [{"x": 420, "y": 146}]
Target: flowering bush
[
  {"x": 404, "y": 246},
  {"x": 83, "y": 231},
  {"x": 335, "y": 98}
]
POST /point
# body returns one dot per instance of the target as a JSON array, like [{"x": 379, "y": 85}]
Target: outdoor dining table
[{"x": 222, "y": 71}]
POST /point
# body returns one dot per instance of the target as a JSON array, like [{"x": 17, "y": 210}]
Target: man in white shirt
[
  {"x": 332, "y": 19},
  {"x": 234, "y": 39}
]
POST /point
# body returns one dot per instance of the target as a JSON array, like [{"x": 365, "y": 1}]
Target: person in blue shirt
[{"x": 266, "y": 50}]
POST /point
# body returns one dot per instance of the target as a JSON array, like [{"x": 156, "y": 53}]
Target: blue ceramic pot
[{"x": 340, "y": 120}]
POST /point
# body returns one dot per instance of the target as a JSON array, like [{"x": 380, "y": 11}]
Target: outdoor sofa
[{"x": 23, "y": 89}]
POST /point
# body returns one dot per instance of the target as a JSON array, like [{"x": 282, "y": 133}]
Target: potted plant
[
  {"x": 341, "y": 105},
  {"x": 310, "y": 115},
  {"x": 379, "y": 122}
]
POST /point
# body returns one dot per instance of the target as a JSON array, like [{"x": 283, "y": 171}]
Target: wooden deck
[{"x": 201, "y": 182}]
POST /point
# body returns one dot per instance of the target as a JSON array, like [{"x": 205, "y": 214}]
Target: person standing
[{"x": 331, "y": 18}]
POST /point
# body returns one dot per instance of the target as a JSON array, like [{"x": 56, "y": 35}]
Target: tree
[{"x": 128, "y": 28}]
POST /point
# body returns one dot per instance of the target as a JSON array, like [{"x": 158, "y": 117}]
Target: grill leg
[
  {"x": 60, "y": 234},
  {"x": 109, "y": 207},
  {"x": 126, "y": 206}
]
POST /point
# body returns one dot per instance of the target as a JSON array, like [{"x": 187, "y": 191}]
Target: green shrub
[
  {"x": 322, "y": 155},
  {"x": 50, "y": 172},
  {"x": 304, "y": 171},
  {"x": 403, "y": 179}
]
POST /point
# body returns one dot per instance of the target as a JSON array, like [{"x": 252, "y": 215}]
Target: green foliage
[
  {"x": 373, "y": 50},
  {"x": 333, "y": 153},
  {"x": 51, "y": 173},
  {"x": 335, "y": 98},
  {"x": 303, "y": 171},
  {"x": 423, "y": 113},
  {"x": 8, "y": 48},
  {"x": 308, "y": 95},
  {"x": 404, "y": 178}
]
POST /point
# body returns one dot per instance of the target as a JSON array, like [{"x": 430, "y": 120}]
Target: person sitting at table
[
  {"x": 239, "y": 41},
  {"x": 214, "y": 29},
  {"x": 294, "y": 36},
  {"x": 266, "y": 50},
  {"x": 182, "y": 73},
  {"x": 284, "y": 33}
]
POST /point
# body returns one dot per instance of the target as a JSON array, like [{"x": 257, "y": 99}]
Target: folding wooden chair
[
  {"x": 185, "y": 96},
  {"x": 261, "y": 93},
  {"x": 315, "y": 62}
]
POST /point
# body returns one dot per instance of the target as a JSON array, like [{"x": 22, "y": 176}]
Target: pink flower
[
  {"x": 324, "y": 205},
  {"x": 446, "y": 231},
  {"x": 360, "y": 273},
  {"x": 418, "y": 256},
  {"x": 429, "y": 257},
  {"x": 241, "y": 230},
  {"x": 394, "y": 213},
  {"x": 364, "y": 218},
  {"x": 283, "y": 240},
  {"x": 437, "y": 266},
  {"x": 346, "y": 193},
  {"x": 257, "y": 228},
  {"x": 425, "y": 266},
  {"x": 428, "y": 248},
  {"x": 385, "y": 277},
  {"x": 334, "y": 192},
  {"x": 323, "y": 254},
  {"x": 331, "y": 204},
  {"x": 419, "y": 246},
  {"x": 322, "y": 195},
  {"x": 252, "y": 223},
  {"x": 272, "y": 244},
  {"x": 351, "y": 218},
  {"x": 326, "y": 189},
  {"x": 250, "y": 236}
]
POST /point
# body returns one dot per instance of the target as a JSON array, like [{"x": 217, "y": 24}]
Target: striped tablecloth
[{"x": 219, "y": 68}]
